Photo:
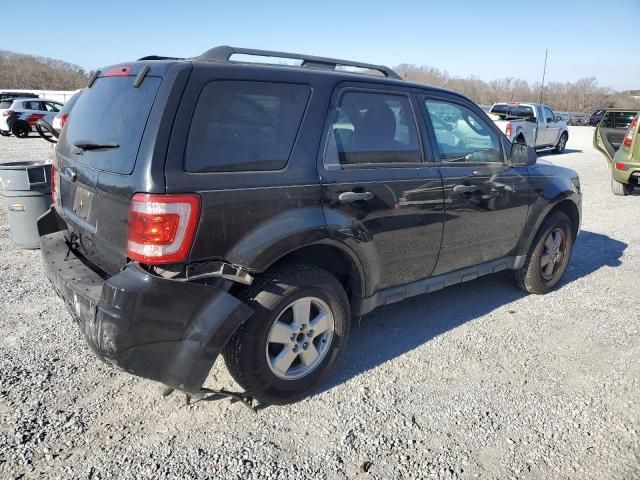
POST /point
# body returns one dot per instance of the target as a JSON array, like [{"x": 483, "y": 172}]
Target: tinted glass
[
  {"x": 372, "y": 128},
  {"x": 6, "y": 104},
  {"x": 53, "y": 107},
  {"x": 244, "y": 126},
  {"x": 620, "y": 120},
  {"x": 33, "y": 105},
  {"x": 499, "y": 108},
  {"x": 524, "y": 111},
  {"x": 465, "y": 136},
  {"x": 112, "y": 112}
]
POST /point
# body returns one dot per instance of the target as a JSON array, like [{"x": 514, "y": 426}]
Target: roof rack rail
[{"x": 225, "y": 52}]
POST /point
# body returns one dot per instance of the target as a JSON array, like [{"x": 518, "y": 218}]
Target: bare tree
[
  {"x": 24, "y": 72},
  {"x": 583, "y": 95}
]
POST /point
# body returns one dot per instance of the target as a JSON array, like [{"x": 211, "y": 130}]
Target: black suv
[{"x": 206, "y": 206}]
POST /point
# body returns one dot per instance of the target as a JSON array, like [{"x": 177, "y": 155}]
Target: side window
[
  {"x": 372, "y": 128},
  {"x": 244, "y": 126},
  {"x": 52, "y": 107},
  {"x": 462, "y": 135},
  {"x": 33, "y": 105},
  {"x": 548, "y": 115}
]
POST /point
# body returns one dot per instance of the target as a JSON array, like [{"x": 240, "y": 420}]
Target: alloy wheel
[
  {"x": 553, "y": 253},
  {"x": 300, "y": 338}
]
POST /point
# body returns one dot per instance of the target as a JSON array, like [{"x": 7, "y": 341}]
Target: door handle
[
  {"x": 465, "y": 189},
  {"x": 355, "y": 196}
]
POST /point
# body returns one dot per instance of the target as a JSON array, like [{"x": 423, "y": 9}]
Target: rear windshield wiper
[{"x": 84, "y": 146}]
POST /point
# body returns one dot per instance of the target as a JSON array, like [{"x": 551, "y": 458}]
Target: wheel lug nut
[
  {"x": 302, "y": 327},
  {"x": 295, "y": 348},
  {"x": 310, "y": 333},
  {"x": 305, "y": 345}
]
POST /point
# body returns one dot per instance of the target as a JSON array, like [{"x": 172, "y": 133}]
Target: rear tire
[
  {"x": 549, "y": 255},
  {"x": 258, "y": 354},
  {"x": 619, "y": 188},
  {"x": 562, "y": 143},
  {"x": 21, "y": 130},
  {"x": 5, "y": 134}
]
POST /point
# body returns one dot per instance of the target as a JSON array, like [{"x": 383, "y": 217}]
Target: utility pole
[{"x": 544, "y": 72}]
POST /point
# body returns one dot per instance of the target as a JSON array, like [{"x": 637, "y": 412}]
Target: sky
[{"x": 486, "y": 39}]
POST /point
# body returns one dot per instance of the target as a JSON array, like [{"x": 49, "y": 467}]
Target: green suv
[{"x": 616, "y": 136}]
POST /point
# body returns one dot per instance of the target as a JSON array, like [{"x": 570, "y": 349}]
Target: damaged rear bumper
[{"x": 165, "y": 330}]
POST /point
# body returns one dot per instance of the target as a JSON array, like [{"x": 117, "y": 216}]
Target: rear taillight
[
  {"x": 63, "y": 120},
  {"x": 162, "y": 227},
  {"x": 6, "y": 113},
  {"x": 629, "y": 136},
  {"x": 55, "y": 193},
  {"x": 509, "y": 129},
  {"x": 621, "y": 166}
]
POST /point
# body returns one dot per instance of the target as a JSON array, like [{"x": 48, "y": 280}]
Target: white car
[{"x": 19, "y": 117}]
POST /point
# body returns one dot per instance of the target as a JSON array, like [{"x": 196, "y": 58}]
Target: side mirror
[
  {"x": 558, "y": 118},
  {"x": 522, "y": 155}
]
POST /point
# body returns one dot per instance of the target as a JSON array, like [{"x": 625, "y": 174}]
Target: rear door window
[
  {"x": 111, "y": 112},
  {"x": 33, "y": 105},
  {"x": 53, "y": 107},
  {"x": 244, "y": 126},
  {"x": 372, "y": 129}
]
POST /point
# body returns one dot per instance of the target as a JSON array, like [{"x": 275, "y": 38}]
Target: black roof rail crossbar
[{"x": 225, "y": 52}]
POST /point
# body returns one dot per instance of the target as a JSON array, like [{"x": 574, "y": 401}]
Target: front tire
[
  {"x": 549, "y": 255},
  {"x": 5, "y": 134},
  {"x": 562, "y": 143},
  {"x": 295, "y": 337},
  {"x": 619, "y": 188}
]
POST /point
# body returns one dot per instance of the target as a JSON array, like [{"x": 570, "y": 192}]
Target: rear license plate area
[{"x": 82, "y": 203}]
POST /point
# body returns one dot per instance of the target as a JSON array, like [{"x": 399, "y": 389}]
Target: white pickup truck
[{"x": 533, "y": 124}]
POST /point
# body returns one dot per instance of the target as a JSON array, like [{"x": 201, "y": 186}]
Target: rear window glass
[
  {"x": 111, "y": 112},
  {"x": 244, "y": 126},
  {"x": 525, "y": 111},
  {"x": 6, "y": 104}
]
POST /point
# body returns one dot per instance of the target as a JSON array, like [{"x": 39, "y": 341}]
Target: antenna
[{"x": 544, "y": 72}]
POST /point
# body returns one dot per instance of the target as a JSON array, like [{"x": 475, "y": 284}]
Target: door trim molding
[{"x": 432, "y": 284}]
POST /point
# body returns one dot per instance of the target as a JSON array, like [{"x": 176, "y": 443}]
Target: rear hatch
[{"x": 98, "y": 161}]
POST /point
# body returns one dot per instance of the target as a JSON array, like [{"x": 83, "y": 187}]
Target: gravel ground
[{"x": 475, "y": 381}]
